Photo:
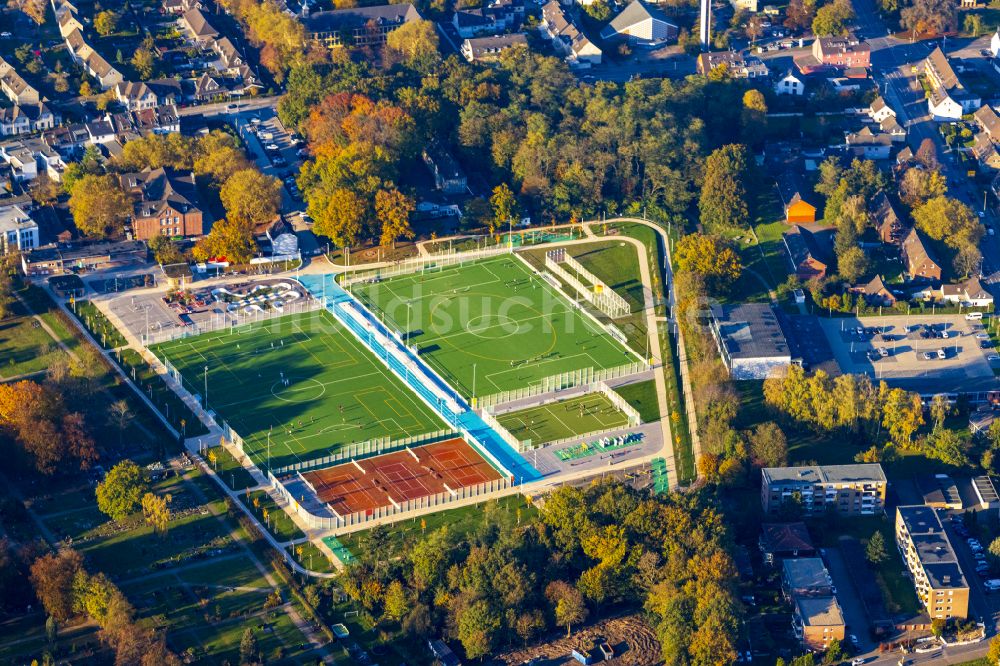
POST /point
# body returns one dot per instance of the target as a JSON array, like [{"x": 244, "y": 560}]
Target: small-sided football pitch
[
  {"x": 563, "y": 419},
  {"x": 302, "y": 383},
  {"x": 492, "y": 325}
]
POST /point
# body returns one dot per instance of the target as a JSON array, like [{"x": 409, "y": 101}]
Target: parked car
[
  {"x": 271, "y": 146},
  {"x": 941, "y": 354}
]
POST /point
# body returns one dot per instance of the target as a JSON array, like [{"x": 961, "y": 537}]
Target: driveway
[{"x": 849, "y": 599}]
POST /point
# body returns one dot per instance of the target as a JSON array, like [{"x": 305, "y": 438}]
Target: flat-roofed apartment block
[
  {"x": 818, "y": 620},
  {"x": 805, "y": 577},
  {"x": 853, "y": 490},
  {"x": 937, "y": 576}
]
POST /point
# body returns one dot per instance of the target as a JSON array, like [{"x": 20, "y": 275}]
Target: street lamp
[{"x": 206, "y": 388}]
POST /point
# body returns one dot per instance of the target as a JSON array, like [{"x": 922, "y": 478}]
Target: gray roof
[
  {"x": 805, "y": 573},
  {"x": 932, "y": 546},
  {"x": 356, "y": 17},
  {"x": 814, "y": 474},
  {"x": 636, "y": 12},
  {"x": 819, "y": 611},
  {"x": 751, "y": 330}
]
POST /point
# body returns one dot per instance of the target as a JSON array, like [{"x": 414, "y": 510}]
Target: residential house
[
  {"x": 161, "y": 120},
  {"x": 18, "y": 232},
  {"x": 818, "y": 621},
  {"x": 782, "y": 540},
  {"x": 15, "y": 87},
  {"x": 494, "y": 18},
  {"x": 937, "y": 575},
  {"x": 13, "y": 121},
  {"x": 949, "y": 98},
  {"x": 790, "y": 84},
  {"x": 878, "y": 110},
  {"x": 752, "y": 6},
  {"x": 989, "y": 122},
  {"x": 180, "y": 6},
  {"x": 869, "y": 144},
  {"x": 640, "y": 24},
  {"x": 106, "y": 75},
  {"x": 995, "y": 43},
  {"x": 797, "y": 209},
  {"x": 362, "y": 26},
  {"x": 875, "y": 293},
  {"x": 100, "y": 131},
  {"x": 487, "y": 49},
  {"x": 228, "y": 54},
  {"x": 805, "y": 577},
  {"x": 197, "y": 26},
  {"x": 135, "y": 96},
  {"x": 985, "y": 152},
  {"x": 751, "y": 340},
  {"x": 891, "y": 228},
  {"x": 891, "y": 127},
  {"x": 850, "y": 490},
  {"x": 739, "y": 65},
  {"x": 917, "y": 258},
  {"x": 808, "y": 258},
  {"x": 842, "y": 52},
  {"x": 168, "y": 91},
  {"x": 68, "y": 23},
  {"x": 21, "y": 159},
  {"x": 971, "y": 293},
  {"x": 567, "y": 38},
  {"x": 448, "y": 175},
  {"x": 165, "y": 203}
]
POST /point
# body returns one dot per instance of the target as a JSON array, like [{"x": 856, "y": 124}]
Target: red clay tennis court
[{"x": 364, "y": 485}]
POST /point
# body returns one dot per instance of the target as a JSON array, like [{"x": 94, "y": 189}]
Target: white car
[
  {"x": 941, "y": 354},
  {"x": 857, "y": 661},
  {"x": 271, "y": 146},
  {"x": 945, "y": 334}
]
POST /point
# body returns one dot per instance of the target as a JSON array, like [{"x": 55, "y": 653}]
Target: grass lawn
[
  {"x": 563, "y": 419},
  {"x": 460, "y": 522},
  {"x": 168, "y": 402},
  {"x": 492, "y": 323},
  {"x": 642, "y": 396},
  {"x": 614, "y": 262},
  {"x": 42, "y": 305},
  {"x": 25, "y": 347},
  {"x": 312, "y": 558},
  {"x": 897, "y": 589},
  {"x": 279, "y": 523},
  {"x": 94, "y": 320},
  {"x": 229, "y": 470},
  {"x": 336, "y": 393}
]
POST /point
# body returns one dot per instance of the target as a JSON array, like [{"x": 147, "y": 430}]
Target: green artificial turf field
[
  {"x": 492, "y": 325},
  {"x": 566, "y": 418},
  {"x": 303, "y": 379}
]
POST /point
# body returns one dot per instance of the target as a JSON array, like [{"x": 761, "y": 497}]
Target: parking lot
[{"x": 943, "y": 353}]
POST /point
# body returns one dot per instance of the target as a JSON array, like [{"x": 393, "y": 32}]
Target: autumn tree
[
  {"x": 156, "y": 512},
  {"x": 831, "y": 19},
  {"x": 393, "y": 209},
  {"x": 221, "y": 163},
  {"x": 723, "y": 202},
  {"x": 921, "y": 185},
  {"x": 165, "y": 251},
  {"x": 929, "y": 16},
  {"x": 567, "y": 604},
  {"x": 927, "y": 154},
  {"x": 416, "y": 42},
  {"x": 230, "y": 240},
  {"x": 397, "y": 604},
  {"x": 768, "y": 445},
  {"x": 852, "y": 264},
  {"x": 902, "y": 415},
  {"x": 35, "y": 416},
  {"x": 106, "y": 23},
  {"x": 248, "y": 647},
  {"x": 99, "y": 206},
  {"x": 52, "y": 577},
  {"x": 121, "y": 491},
  {"x": 709, "y": 256},
  {"x": 339, "y": 215},
  {"x": 504, "y": 205},
  {"x": 251, "y": 197},
  {"x": 144, "y": 62},
  {"x": 754, "y": 116},
  {"x": 34, "y": 9}
]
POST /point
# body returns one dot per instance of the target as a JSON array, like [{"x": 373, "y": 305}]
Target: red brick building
[{"x": 165, "y": 203}]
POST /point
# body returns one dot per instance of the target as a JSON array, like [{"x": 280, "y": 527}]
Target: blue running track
[{"x": 333, "y": 296}]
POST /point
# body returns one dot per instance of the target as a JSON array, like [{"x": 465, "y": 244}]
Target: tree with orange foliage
[
  {"x": 35, "y": 416},
  {"x": 393, "y": 209}
]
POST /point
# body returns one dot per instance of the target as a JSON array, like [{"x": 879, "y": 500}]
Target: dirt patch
[{"x": 632, "y": 639}]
